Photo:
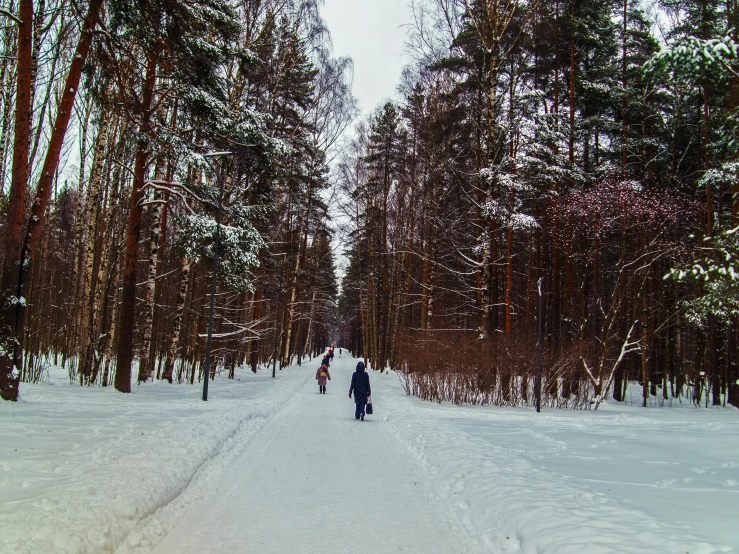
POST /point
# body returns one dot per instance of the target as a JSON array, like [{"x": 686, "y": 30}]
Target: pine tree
[{"x": 143, "y": 33}]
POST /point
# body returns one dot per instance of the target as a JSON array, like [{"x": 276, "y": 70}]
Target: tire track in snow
[{"x": 154, "y": 525}]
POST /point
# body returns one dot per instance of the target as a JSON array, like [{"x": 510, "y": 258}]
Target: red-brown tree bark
[
  {"x": 133, "y": 228},
  {"x": 10, "y": 311},
  {"x": 22, "y": 256}
]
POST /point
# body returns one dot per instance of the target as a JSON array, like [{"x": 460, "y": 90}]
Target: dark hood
[{"x": 360, "y": 367}]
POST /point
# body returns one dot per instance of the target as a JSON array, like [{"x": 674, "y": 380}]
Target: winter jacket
[
  {"x": 326, "y": 361},
  {"x": 322, "y": 378},
  {"x": 360, "y": 385}
]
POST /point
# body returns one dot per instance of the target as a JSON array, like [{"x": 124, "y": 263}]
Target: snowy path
[
  {"x": 270, "y": 466},
  {"x": 316, "y": 480}
]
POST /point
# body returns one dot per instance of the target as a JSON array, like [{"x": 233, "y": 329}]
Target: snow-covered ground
[
  {"x": 270, "y": 466},
  {"x": 80, "y": 468},
  {"x": 618, "y": 480},
  {"x": 318, "y": 481}
]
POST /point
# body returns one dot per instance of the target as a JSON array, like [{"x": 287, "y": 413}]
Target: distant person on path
[
  {"x": 361, "y": 388},
  {"x": 326, "y": 361},
  {"x": 322, "y": 375},
  {"x": 331, "y": 353},
  {"x": 339, "y": 352}
]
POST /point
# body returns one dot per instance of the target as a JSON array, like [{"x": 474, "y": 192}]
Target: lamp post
[
  {"x": 206, "y": 370},
  {"x": 539, "y": 345},
  {"x": 300, "y": 344}
]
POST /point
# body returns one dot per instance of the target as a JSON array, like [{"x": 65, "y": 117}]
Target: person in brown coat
[{"x": 322, "y": 375}]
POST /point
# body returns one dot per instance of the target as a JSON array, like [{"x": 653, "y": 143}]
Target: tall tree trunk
[
  {"x": 624, "y": 99},
  {"x": 89, "y": 283},
  {"x": 556, "y": 316},
  {"x": 397, "y": 288},
  {"x": 384, "y": 300},
  {"x": 431, "y": 306},
  {"x": 112, "y": 333},
  {"x": 56, "y": 141},
  {"x": 10, "y": 339},
  {"x": 48, "y": 95},
  {"x": 146, "y": 363},
  {"x": 185, "y": 266},
  {"x": 425, "y": 286},
  {"x": 509, "y": 284},
  {"x": 569, "y": 269},
  {"x": 733, "y": 391},
  {"x": 311, "y": 324},
  {"x": 257, "y": 315},
  {"x": 78, "y": 233},
  {"x": 7, "y": 69},
  {"x": 644, "y": 346},
  {"x": 128, "y": 300},
  {"x": 108, "y": 258},
  {"x": 487, "y": 269},
  {"x": 364, "y": 318},
  {"x": 38, "y": 23},
  {"x": 296, "y": 270},
  {"x": 573, "y": 67},
  {"x": 411, "y": 229},
  {"x": 712, "y": 339}
]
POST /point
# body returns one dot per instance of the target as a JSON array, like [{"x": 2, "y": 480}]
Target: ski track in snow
[
  {"x": 270, "y": 466},
  {"x": 81, "y": 468}
]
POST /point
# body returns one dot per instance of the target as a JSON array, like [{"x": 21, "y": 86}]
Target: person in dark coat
[
  {"x": 326, "y": 361},
  {"x": 361, "y": 388}
]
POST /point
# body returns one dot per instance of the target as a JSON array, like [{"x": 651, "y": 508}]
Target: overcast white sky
[{"x": 370, "y": 32}]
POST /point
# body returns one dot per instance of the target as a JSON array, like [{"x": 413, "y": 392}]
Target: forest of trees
[
  {"x": 108, "y": 197},
  {"x": 586, "y": 149},
  {"x": 586, "y": 145}
]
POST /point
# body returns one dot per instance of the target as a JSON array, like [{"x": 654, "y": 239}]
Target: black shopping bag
[{"x": 369, "y": 408}]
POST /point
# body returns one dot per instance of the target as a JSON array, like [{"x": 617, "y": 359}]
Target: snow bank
[
  {"x": 90, "y": 469},
  {"x": 619, "y": 480}
]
